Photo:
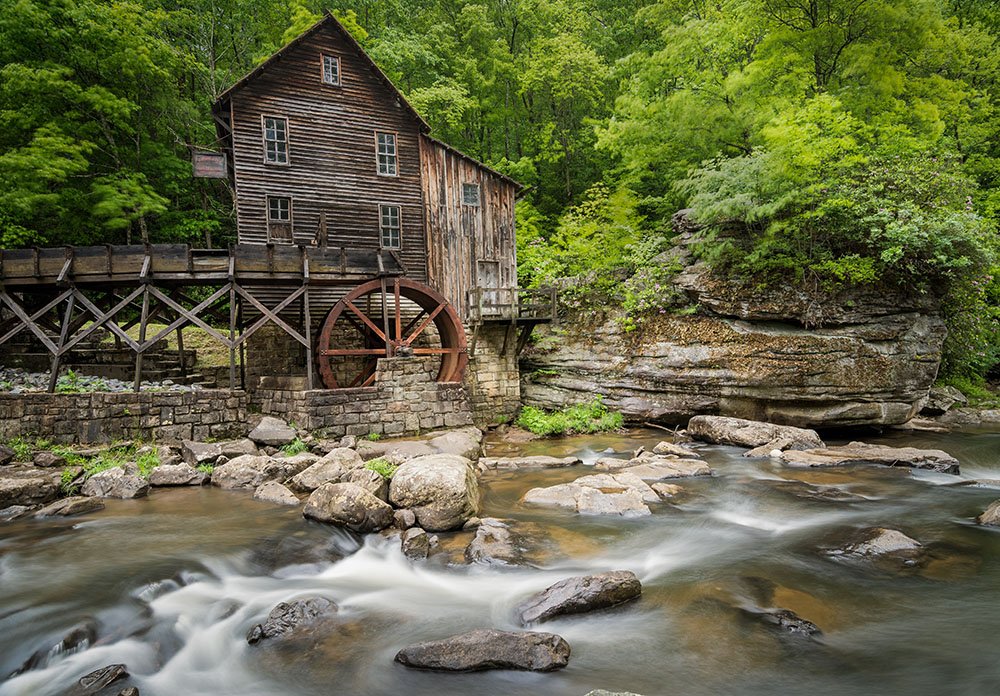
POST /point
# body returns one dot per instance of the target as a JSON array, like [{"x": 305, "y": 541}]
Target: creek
[{"x": 175, "y": 581}]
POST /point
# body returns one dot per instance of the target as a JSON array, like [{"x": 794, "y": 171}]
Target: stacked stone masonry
[
  {"x": 494, "y": 377},
  {"x": 404, "y": 400},
  {"x": 105, "y": 417}
]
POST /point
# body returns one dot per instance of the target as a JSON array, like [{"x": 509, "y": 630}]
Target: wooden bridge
[{"x": 62, "y": 296}]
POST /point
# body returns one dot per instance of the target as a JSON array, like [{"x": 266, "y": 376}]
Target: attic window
[
  {"x": 470, "y": 194},
  {"x": 386, "y": 146},
  {"x": 275, "y": 140},
  {"x": 331, "y": 70},
  {"x": 389, "y": 226}
]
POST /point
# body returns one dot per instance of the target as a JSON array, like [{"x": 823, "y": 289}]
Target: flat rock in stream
[
  {"x": 990, "y": 516},
  {"x": 622, "y": 494},
  {"x": 176, "y": 475},
  {"x": 486, "y": 649},
  {"x": 676, "y": 450},
  {"x": 580, "y": 594},
  {"x": 878, "y": 542},
  {"x": 540, "y": 461},
  {"x": 289, "y": 617},
  {"x": 863, "y": 453},
  {"x": 272, "y": 431},
  {"x": 747, "y": 433},
  {"x": 74, "y": 505},
  {"x": 785, "y": 621},
  {"x": 495, "y": 543}
]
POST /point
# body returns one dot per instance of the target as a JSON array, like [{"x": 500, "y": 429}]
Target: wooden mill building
[
  {"x": 371, "y": 259},
  {"x": 324, "y": 152}
]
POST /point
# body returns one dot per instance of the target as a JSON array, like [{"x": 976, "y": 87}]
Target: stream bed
[{"x": 174, "y": 582}]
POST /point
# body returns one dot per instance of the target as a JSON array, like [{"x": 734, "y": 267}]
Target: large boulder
[
  {"x": 489, "y": 649},
  {"x": 802, "y": 356},
  {"x": 580, "y": 594},
  {"x": 371, "y": 481},
  {"x": 991, "y": 515},
  {"x": 863, "y": 453},
  {"x": 237, "y": 448},
  {"x": 249, "y": 471},
  {"x": 195, "y": 453},
  {"x": 330, "y": 469},
  {"x": 176, "y": 475},
  {"x": 397, "y": 451},
  {"x": 746, "y": 433},
  {"x": 289, "y": 617},
  {"x": 115, "y": 482},
  {"x": 348, "y": 505},
  {"x": 6, "y": 455},
  {"x": 274, "y": 492},
  {"x": 441, "y": 489},
  {"x": 465, "y": 442},
  {"x": 272, "y": 431},
  {"x": 28, "y": 486},
  {"x": 941, "y": 399}
]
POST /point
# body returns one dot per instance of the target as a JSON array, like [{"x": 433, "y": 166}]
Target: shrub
[
  {"x": 581, "y": 418},
  {"x": 382, "y": 466},
  {"x": 294, "y": 447}
]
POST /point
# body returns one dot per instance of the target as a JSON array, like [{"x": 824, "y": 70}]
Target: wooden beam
[
  {"x": 67, "y": 321},
  {"x": 142, "y": 336}
]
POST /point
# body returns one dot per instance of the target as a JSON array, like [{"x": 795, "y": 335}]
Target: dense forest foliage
[{"x": 821, "y": 142}]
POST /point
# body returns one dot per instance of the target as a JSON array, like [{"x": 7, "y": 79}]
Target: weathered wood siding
[
  {"x": 463, "y": 239},
  {"x": 332, "y": 153}
]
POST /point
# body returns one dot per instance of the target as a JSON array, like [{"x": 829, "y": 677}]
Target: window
[
  {"x": 389, "y": 229},
  {"x": 275, "y": 140},
  {"x": 470, "y": 194},
  {"x": 279, "y": 219},
  {"x": 331, "y": 70},
  {"x": 386, "y": 153}
]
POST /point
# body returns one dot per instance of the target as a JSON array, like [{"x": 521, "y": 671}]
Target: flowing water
[{"x": 174, "y": 582}]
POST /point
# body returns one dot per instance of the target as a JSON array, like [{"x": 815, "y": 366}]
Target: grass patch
[
  {"x": 382, "y": 466},
  {"x": 579, "y": 419},
  {"x": 373, "y": 437},
  {"x": 205, "y": 468},
  {"x": 296, "y": 446},
  {"x": 977, "y": 390}
]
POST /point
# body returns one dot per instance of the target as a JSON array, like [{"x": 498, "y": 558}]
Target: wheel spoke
[
  {"x": 426, "y": 322},
  {"x": 352, "y": 351},
  {"x": 361, "y": 315},
  {"x": 436, "y": 351}
]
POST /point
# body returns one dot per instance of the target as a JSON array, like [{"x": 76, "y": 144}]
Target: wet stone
[
  {"x": 99, "y": 679},
  {"x": 67, "y": 507},
  {"x": 487, "y": 649},
  {"x": 77, "y": 639},
  {"x": 495, "y": 543},
  {"x": 288, "y": 617},
  {"x": 580, "y": 594},
  {"x": 415, "y": 544},
  {"x": 49, "y": 460},
  {"x": 991, "y": 515}
]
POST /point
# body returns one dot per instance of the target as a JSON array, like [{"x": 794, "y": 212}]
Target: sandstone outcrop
[{"x": 861, "y": 356}]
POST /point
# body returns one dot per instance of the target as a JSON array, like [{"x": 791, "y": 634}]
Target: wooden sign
[{"x": 210, "y": 165}]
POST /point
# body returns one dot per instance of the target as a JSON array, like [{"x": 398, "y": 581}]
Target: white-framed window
[
  {"x": 275, "y": 139},
  {"x": 331, "y": 70},
  {"x": 470, "y": 194},
  {"x": 279, "y": 219},
  {"x": 385, "y": 145},
  {"x": 390, "y": 230}
]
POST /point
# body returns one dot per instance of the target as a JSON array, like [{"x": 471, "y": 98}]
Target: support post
[
  {"x": 232, "y": 314},
  {"x": 307, "y": 317},
  {"x": 142, "y": 337},
  {"x": 180, "y": 350},
  {"x": 63, "y": 335}
]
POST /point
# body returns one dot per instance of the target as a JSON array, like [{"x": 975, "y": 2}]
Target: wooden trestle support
[{"x": 63, "y": 296}]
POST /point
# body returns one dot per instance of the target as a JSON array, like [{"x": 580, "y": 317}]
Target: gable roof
[
  {"x": 328, "y": 21},
  {"x": 331, "y": 21}
]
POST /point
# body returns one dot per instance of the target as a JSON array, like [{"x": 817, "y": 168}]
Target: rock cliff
[{"x": 788, "y": 356}]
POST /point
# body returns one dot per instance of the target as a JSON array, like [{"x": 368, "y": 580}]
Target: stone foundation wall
[
  {"x": 494, "y": 378},
  {"x": 104, "y": 417},
  {"x": 269, "y": 352},
  {"x": 404, "y": 400}
]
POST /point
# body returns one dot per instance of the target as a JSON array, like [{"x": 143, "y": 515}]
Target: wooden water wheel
[{"x": 385, "y": 318}]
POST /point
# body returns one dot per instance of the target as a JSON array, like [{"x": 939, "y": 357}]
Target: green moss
[{"x": 581, "y": 418}]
